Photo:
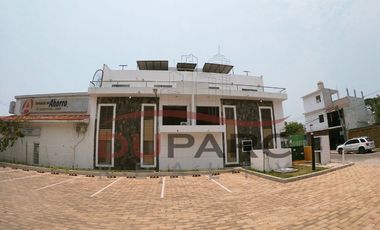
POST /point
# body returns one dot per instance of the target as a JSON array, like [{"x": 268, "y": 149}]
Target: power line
[{"x": 377, "y": 91}]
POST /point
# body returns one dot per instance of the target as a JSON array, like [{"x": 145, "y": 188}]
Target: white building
[
  {"x": 327, "y": 114},
  {"x": 157, "y": 117}
]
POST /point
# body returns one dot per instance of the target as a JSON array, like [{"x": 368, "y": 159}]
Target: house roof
[
  {"x": 332, "y": 91},
  {"x": 47, "y": 118}
]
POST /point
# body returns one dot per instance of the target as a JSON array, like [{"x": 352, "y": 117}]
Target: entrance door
[{"x": 230, "y": 135}]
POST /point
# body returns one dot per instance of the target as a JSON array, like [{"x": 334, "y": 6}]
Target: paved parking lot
[
  {"x": 344, "y": 199},
  {"x": 366, "y": 159}
]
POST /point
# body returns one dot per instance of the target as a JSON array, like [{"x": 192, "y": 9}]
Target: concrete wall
[
  {"x": 184, "y": 158},
  {"x": 372, "y": 131},
  {"x": 313, "y": 119},
  {"x": 60, "y": 145},
  {"x": 325, "y": 149},
  {"x": 355, "y": 114},
  {"x": 271, "y": 163}
]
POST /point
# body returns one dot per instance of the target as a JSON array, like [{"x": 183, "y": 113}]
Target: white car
[{"x": 359, "y": 144}]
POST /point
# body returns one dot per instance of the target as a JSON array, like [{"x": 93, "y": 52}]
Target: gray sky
[{"x": 56, "y": 46}]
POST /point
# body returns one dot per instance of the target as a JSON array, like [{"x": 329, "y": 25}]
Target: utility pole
[{"x": 312, "y": 148}]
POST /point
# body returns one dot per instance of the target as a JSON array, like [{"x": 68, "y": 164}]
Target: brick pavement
[{"x": 344, "y": 199}]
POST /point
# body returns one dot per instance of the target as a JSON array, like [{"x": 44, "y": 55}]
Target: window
[
  {"x": 318, "y": 99},
  {"x": 354, "y": 141},
  {"x": 148, "y": 136},
  {"x": 321, "y": 118},
  {"x": 105, "y": 135},
  {"x": 36, "y": 153},
  {"x": 174, "y": 115},
  {"x": 246, "y": 145},
  {"x": 266, "y": 119},
  {"x": 208, "y": 115},
  {"x": 230, "y": 137}
]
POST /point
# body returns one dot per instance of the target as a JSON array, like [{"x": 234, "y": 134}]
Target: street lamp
[{"x": 312, "y": 148}]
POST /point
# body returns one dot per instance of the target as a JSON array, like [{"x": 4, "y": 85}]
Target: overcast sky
[{"x": 56, "y": 46}]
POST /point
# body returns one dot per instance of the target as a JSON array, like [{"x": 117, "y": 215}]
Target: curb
[
  {"x": 296, "y": 178},
  {"x": 129, "y": 174}
]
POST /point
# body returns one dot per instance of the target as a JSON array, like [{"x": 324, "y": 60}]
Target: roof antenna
[
  {"x": 123, "y": 66},
  {"x": 246, "y": 72},
  {"x": 219, "y": 58}
]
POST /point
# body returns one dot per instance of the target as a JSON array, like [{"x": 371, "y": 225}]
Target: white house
[
  {"x": 156, "y": 116},
  {"x": 327, "y": 114}
]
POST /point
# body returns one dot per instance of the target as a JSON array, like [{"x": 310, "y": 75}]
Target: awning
[{"x": 47, "y": 118}]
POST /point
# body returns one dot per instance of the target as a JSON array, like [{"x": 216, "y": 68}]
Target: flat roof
[
  {"x": 332, "y": 91},
  {"x": 75, "y": 94},
  {"x": 153, "y": 65}
]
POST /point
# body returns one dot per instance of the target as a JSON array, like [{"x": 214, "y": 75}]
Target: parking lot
[{"x": 348, "y": 198}]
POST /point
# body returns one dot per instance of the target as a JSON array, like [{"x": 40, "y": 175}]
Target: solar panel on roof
[
  {"x": 183, "y": 66},
  {"x": 153, "y": 65},
  {"x": 216, "y": 68}
]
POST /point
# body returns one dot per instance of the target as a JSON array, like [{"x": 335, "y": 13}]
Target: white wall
[
  {"x": 60, "y": 145},
  {"x": 270, "y": 163},
  {"x": 184, "y": 157},
  {"x": 310, "y": 104},
  {"x": 172, "y": 76},
  {"x": 313, "y": 118},
  {"x": 325, "y": 149}
]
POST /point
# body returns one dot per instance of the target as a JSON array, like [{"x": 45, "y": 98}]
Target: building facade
[
  {"x": 155, "y": 117},
  {"x": 328, "y": 114}
]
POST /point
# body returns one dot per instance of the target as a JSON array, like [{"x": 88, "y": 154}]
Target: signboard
[
  {"x": 29, "y": 131},
  {"x": 74, "y": 104}
]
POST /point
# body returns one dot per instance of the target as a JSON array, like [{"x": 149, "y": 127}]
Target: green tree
[
  {"x": 294, "y": 128},
  {"x": 372, "y": 102},
  {"x": 9, "y": 133},
  {"x": 374, "y": 105}
]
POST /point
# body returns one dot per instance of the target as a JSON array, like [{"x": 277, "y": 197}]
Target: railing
[{"x": 171, "y": 84}]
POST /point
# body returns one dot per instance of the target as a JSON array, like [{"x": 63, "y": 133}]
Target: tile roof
[{"x": 52, "y": 118}]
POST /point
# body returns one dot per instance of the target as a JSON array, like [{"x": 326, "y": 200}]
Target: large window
[
  {"x": 230, "y": 137},
  {"x": 148, "y": 133},
  {"x": 174, "y": 115},
  {"x": 208, "y": 115},
  {"x": 267, "y": 134},
  {"x": 105, "y": 135}
]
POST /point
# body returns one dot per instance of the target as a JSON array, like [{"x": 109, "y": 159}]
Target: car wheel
[
  {"x": 340, "y": 151},
  {"x": 361, "y": 150}
]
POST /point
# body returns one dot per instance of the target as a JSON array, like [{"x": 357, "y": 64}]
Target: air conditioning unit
[{"x": 183, "y": 123}]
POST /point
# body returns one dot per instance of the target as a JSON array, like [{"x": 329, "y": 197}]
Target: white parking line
[
  {"x": 163, "y": 188},
  {"x": 216, "y": 182},
  {"x": 19, "y": 178},
  {"x": 101, "y": 190},
  {"x": 49, "y": 186},
  {"x": 8, "y": 171}
]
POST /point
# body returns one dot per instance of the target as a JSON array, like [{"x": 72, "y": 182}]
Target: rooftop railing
[{"x": 171, "y": 84}]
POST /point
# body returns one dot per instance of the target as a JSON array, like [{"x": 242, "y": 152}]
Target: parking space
[{"x": 344, "y": 198}]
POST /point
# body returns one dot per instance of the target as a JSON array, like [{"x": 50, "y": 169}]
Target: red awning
[{"x": 48, "y": 118}]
